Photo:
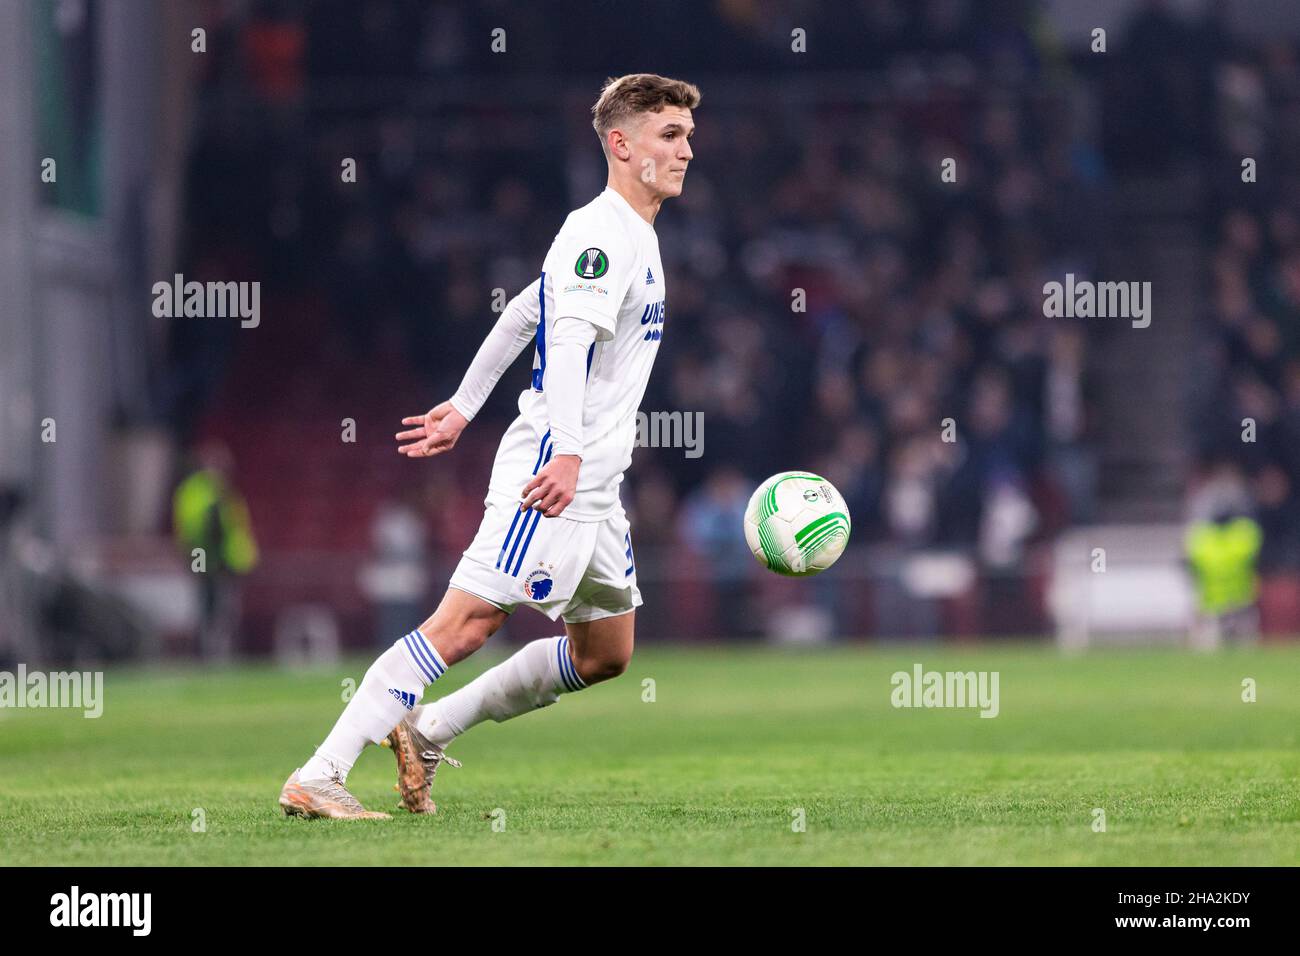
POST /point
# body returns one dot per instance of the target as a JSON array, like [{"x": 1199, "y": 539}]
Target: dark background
[{"x": 817, "y": 171}]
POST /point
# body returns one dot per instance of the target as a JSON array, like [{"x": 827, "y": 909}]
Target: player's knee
[
  {"x": 470, "y": 638},
  {"x": 601, "y": 667},
  {"x": 459, "y": 640}
]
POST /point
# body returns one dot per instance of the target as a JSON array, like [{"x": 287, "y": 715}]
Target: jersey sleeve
[
  {"x": 591, "y": 268},
  {"x": 511, "y": 333},
  {"x": 566, "y": 383}
]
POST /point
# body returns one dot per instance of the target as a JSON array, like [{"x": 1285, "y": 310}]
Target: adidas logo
[
  {"x": 649, "y": 277},
  {"x": 405, "y": 696}
]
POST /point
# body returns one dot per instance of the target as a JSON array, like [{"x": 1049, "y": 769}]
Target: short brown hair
[{"x": 625, "y": 96}]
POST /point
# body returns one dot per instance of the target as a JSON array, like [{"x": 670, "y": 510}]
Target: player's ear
[{"x": 618, "y": 145}]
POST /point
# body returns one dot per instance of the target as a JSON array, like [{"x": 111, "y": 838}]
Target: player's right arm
[{"x": 438, "y": 429}]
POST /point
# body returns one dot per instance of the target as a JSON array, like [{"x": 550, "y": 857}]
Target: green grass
[{"x": 709, "y": 773}]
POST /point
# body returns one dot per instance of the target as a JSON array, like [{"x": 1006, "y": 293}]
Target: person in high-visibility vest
[
  {"x": 1222, "y": 553},
  {"x": 212, "y": 526}
]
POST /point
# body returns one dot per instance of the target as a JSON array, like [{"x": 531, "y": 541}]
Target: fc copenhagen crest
[
  {"x": 591, "y": 264},
  {"x": 538, "y": 584}
]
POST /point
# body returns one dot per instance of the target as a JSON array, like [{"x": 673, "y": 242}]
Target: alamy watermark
[
  {"x": 922, "y": 688},
  {"x": 75, "y": 908},
  {"x": 64, "y": 689},
  {"x": 671, "y": 430},
  {"x": 209, "y": 300},
  {"x": 1084, "y": 299}
]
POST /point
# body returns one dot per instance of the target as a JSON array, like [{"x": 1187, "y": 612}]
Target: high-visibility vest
[
  {"x": 204, "y": 499},
  {"x": 1223, "y": 561}
]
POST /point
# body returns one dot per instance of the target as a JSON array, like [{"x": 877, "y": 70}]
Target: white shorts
[{"x": 583, "y": 570}]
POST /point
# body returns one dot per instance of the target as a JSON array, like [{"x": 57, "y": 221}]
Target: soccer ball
[{"x": 796, "y": 524}]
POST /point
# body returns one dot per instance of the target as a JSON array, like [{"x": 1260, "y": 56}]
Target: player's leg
[
  {"x": 533, "y": 677},
  {"x": 393, "y": 685},
  {"x": 601, "y": 627},
  {"x": 597, "y": 646},
  {"x": 396, "y": 681},
  {"x": 516, "y": 558},
  {"x": 462, "y": 624},
  {"x": 580, "y": 570},
  {"x": 602, "y": 648}
]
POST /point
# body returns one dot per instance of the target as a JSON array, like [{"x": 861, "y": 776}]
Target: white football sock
[
  {"x": 392, "y": 686},
  {"x": 533, "y": 677}
]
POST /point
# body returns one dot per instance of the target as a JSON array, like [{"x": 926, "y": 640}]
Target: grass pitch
[{"x": 714, "y": 771}]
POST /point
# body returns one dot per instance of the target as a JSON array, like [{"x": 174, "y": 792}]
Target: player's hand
[
  {"x": 436, "y": 431},
  {"x": 552, "y": 489}
]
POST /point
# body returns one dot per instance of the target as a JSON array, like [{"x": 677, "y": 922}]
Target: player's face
[{"x": 661, "y": 149}]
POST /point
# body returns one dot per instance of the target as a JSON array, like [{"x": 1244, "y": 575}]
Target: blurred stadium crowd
[
  {"x": 835, "y": 303},
  {"x": 1249, "y": 411},
  {"x": 832, "y": 301}
]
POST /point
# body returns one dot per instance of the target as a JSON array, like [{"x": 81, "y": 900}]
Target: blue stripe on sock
[
  {"x": 415, "y": 657},
  {"x": 422, "y": 648},
  {"x": 568, "y": 667},
  {"x": 426, "y": 648},
  {"x": 559, "y": 661},
  {"x": 426, "y": 653},
  {"x": 558, "y": 645},
  {"x": 567, "y": 661}
]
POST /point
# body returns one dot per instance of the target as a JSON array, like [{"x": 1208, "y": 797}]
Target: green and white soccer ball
[{"x": 797, "y": 523}]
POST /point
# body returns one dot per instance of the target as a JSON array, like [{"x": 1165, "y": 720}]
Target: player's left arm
[
  {"x": 592, "y": 264},
  {"x": 553, "y": 488}
]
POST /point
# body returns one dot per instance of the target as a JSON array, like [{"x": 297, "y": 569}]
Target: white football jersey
[{"x": 604, "y": 267}]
